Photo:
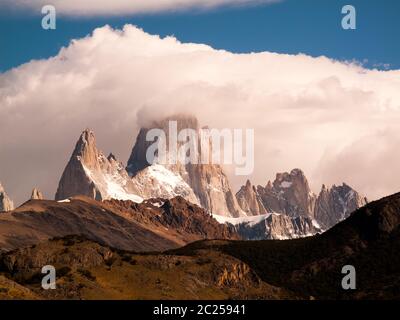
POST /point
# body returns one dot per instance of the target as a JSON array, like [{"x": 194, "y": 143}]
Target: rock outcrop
[
  {"x": 6, "y": 203},
  {"x": 90, "y": 173},
  {"x": 36, "y": 194}
]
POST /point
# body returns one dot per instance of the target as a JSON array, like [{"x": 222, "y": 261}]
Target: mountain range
[{"x": 283, "y": 209}]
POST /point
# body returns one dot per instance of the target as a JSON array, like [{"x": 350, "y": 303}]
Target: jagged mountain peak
[
  {"x": 6, "y": 204},
  {"x": 111, "y": 157},
  {"x": 90, "y": 173},
  {"x": 289, "y": 194},
  {"x": 248, "y": 184},
  {"x": 137, "y": 160},
  {"x": 208, "y": 182},
  {"x": 342, "y": 187},
  {"x": 249, "y": 200},
  {"x": 336, "y": 203},
  {"x": 292, "y": 173},
  {"x": 36, "y": 194},
  {"x": 286, "y": 179},
  {"x": 269, "y": 185},
  {"x": 297, "y": 172},
  {"x": 86, "y": 140},
  {"x": 87, "y": 135},
  {"x": 86, "y": 149}
]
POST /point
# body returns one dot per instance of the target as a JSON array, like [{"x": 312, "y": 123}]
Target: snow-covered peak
[{"x": 156, "y": 181}]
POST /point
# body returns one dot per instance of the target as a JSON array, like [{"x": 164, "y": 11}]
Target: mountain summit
[
  {"x": 90, "y": 173},
  {"x": 208, "y": 181},
  {"x": 336, "y": 203}
]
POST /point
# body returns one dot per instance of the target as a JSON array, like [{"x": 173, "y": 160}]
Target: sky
[
  {"x": 291, "y": 26},
  {"x": 319, "y": 97}
]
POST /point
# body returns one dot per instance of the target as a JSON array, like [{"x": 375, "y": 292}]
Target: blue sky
[{"x": 292, "y": 26}]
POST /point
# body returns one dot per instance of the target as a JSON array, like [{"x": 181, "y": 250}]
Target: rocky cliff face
[
  {"x": 282, "y": 227},
  {"x": 208, "y": 182},
  {"x": 336, "y": 204},
  {"x": 250, "y": 201},
  {"x": 90, "y": 173},
  {"x": 272, "y": 226},
  {"x": 289, "y": 194},
  {"x": 279, "y": 227},
  {"x": 5, "y": 202}
]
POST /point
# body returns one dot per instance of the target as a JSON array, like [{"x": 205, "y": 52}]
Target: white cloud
[
  {"x": 334, "y": 120},
  {"x": 123, "y": 7}
]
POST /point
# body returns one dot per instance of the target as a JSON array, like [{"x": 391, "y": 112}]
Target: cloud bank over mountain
[
  {"x": 337, "y": 121},
  {"x": 124, "y": 7}
]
